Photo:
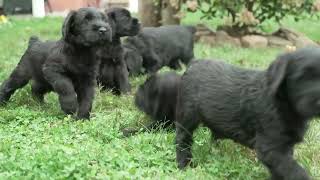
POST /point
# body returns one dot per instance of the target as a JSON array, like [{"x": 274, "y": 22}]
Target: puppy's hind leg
[
  {"x": 39, "y": 89},
  {"x": 18, "y": 78}
]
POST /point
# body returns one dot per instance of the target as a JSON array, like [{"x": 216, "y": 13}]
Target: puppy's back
[
  {"x": 213, "y": 89},
  {"x": 216, "y": 74},
  {"x": 169, "y": 33},
  {"x": 36, "y": 54}
]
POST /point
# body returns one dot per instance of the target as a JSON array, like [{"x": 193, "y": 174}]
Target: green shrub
[{"x": 252, "y": 13}]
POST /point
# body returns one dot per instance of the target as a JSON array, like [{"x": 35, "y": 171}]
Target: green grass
[{"x": 39, "y": 142}]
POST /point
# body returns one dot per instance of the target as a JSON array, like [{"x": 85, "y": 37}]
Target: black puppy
[
  {"x": 162, "y": 46},
  {"x": 265, "y": 110},
  {"x": 157, "y": 97},
  {"x": 113, "y": 73},
  {"x": 68, "y": 66}
]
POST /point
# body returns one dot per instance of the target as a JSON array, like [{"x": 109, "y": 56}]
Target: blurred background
[{"x": 61, "y": 7}]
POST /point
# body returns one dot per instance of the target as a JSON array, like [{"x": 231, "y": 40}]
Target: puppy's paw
[
  {"x": 82, "y": 116},
  {"x": 183, "y": 164},
  {"x": 276, "y": 177},
  {"x": 38, "y": 99},
  {"x": 127, "y": 132},
  {"x": 2, "y": 103},
  {"x": 300, "y": 174},
  {"x": 126, "y": 90},
  {"x": 125, "y": 93},
  {"x": 68, "y": 104},
  {"x": 3, "y": 100}
]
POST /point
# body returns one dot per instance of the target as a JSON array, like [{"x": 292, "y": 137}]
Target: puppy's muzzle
[{"x": 105, "y": 32}]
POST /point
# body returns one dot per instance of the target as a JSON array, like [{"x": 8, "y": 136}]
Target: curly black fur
[
  {"x": 67, "y": 66},
  {"x": 113, "y": 72},
  {"x": 161, "y": 46},
  {"x": 265, "y": 110}
]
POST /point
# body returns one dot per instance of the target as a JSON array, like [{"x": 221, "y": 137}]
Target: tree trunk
[
  {"x": 169, "y": 12},
  {"x": 149, "y": 13}
]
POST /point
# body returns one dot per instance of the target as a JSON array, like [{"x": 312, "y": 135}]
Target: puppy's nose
[
  {"x": 135, "y": 21},
  {"x": 102, "y": 30}
]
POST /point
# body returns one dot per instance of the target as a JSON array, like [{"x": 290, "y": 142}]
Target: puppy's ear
[
  {"x": 276, "y": 73},
  {"x": 112, "y": 18},
  {"x": 126, "y": 57},
  {"x": 111, "y": 14},
  {"x": 67, "y": 26}
]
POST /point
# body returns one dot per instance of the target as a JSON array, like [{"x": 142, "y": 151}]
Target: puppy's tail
[
  {"x": 33, "y": 39},
  {"x": 192, "y": 29}
]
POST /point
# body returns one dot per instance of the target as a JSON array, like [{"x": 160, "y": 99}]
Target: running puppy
[
  {"x": 67, "y": 66},
  {"x": 268, "y": 111}
]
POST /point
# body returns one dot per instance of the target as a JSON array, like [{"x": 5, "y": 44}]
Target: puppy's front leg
[
  {"x": 154, "y": 62},
  {"x": 85, "y": 99},
  {"x": 63, "y": 86},
  {"x": 183, "y": 148},
  {"x": 122, "y": 77},
  {"x": 279, "y": 161},
  {"x": 185, "y": 125}
]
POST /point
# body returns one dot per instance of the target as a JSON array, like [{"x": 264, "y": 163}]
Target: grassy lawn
[{"x": 39, "y": 142}]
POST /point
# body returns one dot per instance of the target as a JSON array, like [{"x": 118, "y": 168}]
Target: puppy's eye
[
  {"x": 103, "y": 17},
  {"x": 306, "y": 74},
  {"x": 88, "y": 17},
  {"x": 309, "y": 74},
  {"x": 126, "y": 18},
  {"x": 311, "y": 71}
]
